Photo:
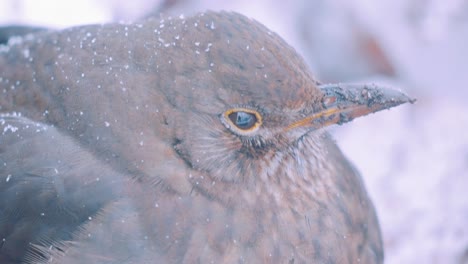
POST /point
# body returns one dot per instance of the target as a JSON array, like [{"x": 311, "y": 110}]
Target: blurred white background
[{"x": 414, "y": 158}]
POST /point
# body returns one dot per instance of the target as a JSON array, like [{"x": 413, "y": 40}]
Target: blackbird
[{"x": 178, "y": 140}]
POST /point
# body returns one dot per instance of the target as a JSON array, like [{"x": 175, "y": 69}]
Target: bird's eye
[{"x": 243, "y": 120}]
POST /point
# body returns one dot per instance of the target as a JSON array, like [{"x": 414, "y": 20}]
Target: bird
[{"x": 196, "y": 139}]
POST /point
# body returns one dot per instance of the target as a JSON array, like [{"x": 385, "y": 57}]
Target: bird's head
[{"x": 247, "y": 99}]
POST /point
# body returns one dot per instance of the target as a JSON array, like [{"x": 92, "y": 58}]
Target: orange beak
[{"x": 343, "y": 102}]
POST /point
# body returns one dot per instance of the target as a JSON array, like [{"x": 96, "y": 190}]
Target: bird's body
[{"x": 122, "y": 153}]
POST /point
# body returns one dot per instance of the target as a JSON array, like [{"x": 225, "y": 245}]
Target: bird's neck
[{"x": 296, "y": 175}]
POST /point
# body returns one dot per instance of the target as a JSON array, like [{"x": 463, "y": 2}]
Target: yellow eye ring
[{"x": 242, "y": 120}]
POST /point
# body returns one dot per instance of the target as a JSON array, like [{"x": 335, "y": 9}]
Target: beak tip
[
  {"x": 389, "y": 98},
  {"x": 397, "y": 96}
]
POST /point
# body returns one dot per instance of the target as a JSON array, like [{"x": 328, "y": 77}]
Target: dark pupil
[{"x": 243, "y": 120}]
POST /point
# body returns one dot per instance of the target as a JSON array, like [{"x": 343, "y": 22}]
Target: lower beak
[{"x": 342, "y": 103}]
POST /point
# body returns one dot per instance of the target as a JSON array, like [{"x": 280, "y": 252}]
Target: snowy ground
[{"x": 414, "y": 158}]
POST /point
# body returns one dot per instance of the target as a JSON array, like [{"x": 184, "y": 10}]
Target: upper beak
[{"x": 342, "y": 103}]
